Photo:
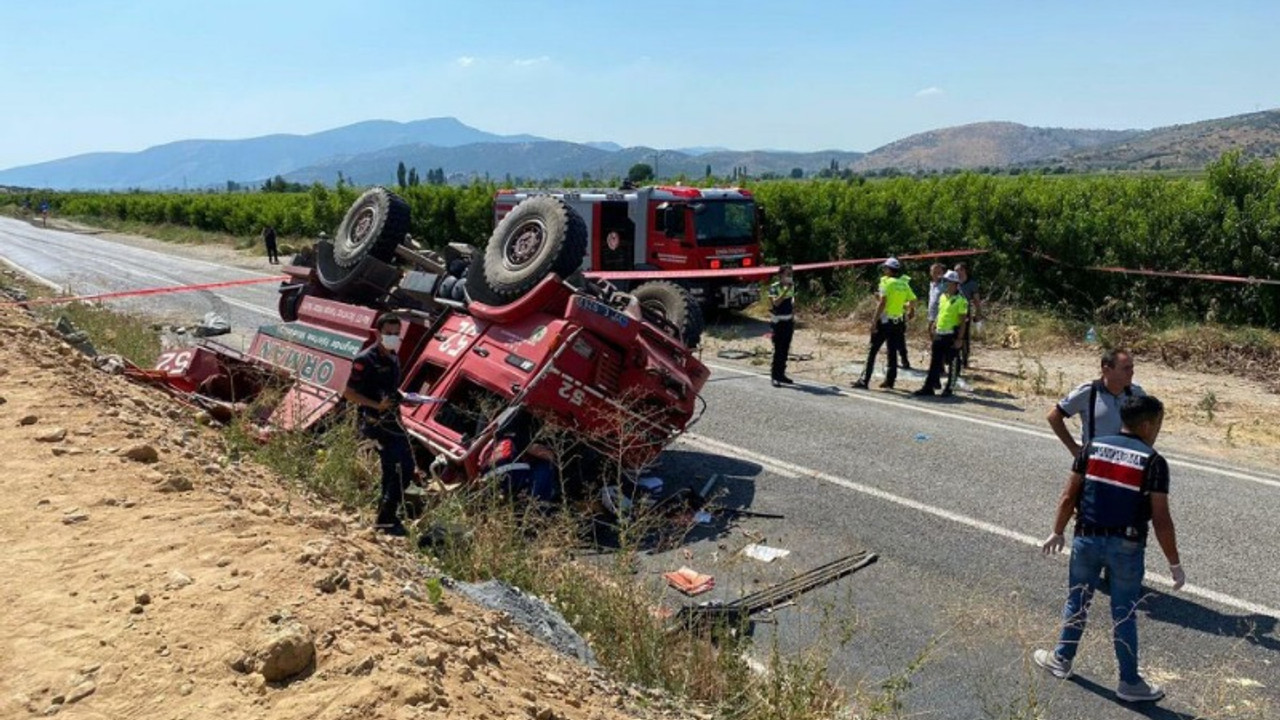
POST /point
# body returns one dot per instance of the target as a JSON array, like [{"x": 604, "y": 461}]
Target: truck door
[{"x": 617, "y": 236}]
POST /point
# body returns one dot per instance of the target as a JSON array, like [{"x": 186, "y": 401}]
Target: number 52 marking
[{"x": 575, "y": 396}]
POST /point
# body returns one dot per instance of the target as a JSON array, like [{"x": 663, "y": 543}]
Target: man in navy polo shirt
[{"x": 1118, "y": 486}]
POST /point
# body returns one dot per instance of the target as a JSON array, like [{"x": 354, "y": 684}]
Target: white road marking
[
  {"x": 791, "y": 470},
  {"x": 1012, "y": 427},
  {"x": 31, "y": 274}
]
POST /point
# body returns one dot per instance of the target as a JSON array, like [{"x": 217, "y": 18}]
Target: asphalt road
[
  {"x": 953, "y": 503},
  {"x": 87, "y": 264}
]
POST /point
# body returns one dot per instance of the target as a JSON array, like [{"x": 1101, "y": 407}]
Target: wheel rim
[
  {"x": 524, "y": 245},
  {"x": 358, "y": 236}
]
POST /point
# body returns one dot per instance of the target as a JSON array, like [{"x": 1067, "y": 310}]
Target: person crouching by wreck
[
  {"x": 374, "y": 388},
  {"x": 948, "y": 337}
]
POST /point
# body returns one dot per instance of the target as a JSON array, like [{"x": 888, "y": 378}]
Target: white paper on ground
[{"x": 764, "y": 553}]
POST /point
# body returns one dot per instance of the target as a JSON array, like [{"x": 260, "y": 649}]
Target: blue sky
[{"x": 85, "y": 76}]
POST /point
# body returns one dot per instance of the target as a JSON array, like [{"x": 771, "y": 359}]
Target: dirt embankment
[{"x": 142, "y": 574}]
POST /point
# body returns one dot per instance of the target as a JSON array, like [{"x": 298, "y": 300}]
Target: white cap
[
  {"x": 892, "y": 263},
  {"x": 951, "y": 276}
]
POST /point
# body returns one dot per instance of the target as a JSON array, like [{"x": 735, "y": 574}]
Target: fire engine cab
[{"x": 664, "y": 229}]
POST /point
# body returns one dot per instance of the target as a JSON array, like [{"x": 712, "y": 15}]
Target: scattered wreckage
[{"x": 511, "y": 334}]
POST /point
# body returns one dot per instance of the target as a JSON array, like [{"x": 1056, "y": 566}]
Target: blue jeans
[{"x": 1126, "y": 561}]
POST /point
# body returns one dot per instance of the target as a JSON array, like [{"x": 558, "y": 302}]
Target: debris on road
[
  {"x": 696, "y": 617},
  {"x": 212, "y": 324},
  {"x": 764, "y": 553},
  {"x": 690, "y": 581}
]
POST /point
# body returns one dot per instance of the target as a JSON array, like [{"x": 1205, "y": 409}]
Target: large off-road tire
[
  {"x": 539, "y": 236},
  {"x": 374, "y": 225},
  {"x": 676, "y": 310}
]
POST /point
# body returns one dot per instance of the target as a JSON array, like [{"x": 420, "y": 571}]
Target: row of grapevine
[{"x": 1039, "y": 229}]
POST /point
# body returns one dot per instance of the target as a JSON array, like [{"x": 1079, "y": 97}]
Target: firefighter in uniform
[
  {"x": 782, "y": 298},
  {"x": 374, "y": 387}
]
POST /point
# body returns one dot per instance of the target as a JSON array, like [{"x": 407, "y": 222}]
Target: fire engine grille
[{"x": 609, "y": 371}]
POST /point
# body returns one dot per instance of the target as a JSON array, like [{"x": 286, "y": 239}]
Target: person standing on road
[
  {"x": 889, "y": 324},
  {"x": 969, "y": 289},
  {"x": 948, "y": 336},
  {"x": 44, "y": 214},
  {"x": 936, "y": 286},
  {"x": 1097, "y": 402},
  {"x": 269, "y": 239},
  {"x": 374, "y": 387},
  {"x": 782, "y": 299},
  {"x": 905, "y": 362},
  {"x": 1118, "y": 486}
]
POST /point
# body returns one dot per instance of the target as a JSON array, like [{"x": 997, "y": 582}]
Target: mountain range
[{"x": 369, "y": 152}]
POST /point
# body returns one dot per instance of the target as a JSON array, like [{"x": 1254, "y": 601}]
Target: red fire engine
[{"x": 667, "y": 228}]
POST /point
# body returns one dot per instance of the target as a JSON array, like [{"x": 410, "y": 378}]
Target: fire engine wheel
[
  {"x": 291, "y": 299},
  {"x": 374, "y": 225},
  {"x": 539, "y": 236},
  {"x": 672, "y": 308}
]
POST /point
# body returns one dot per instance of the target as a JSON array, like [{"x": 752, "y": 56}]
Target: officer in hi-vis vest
[{"x": 782, "y": 299}]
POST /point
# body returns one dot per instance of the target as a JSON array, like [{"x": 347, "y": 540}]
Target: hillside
[
  {"x": 369, "y": 152},
  {"x": 555, "y": 159},
  {"x": 986, "y": 144},
  {"x": 1191, "y": 146},
  {"x": 211, "y": 163}
]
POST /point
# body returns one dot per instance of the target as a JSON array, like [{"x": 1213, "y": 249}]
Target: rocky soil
[{"x": 144, "y": 574}]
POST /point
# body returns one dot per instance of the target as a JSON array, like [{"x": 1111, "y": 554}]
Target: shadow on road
[
  {"x": 1255, "y": 629},
  {"x": 971, "y": 400},
  {"x": 812, "y": 389},
  {"x": 1154, "y": 711}
]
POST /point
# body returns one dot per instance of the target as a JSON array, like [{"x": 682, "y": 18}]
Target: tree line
[{"x": 1040, "y": 230}]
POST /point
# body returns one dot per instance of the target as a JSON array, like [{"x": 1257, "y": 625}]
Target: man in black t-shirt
[
  {"x": 269, "y": 239},
  {"x": 1118, "y": 485},
  {"x": 782, "y": 301},
  {"x": 374, "y": 388}
]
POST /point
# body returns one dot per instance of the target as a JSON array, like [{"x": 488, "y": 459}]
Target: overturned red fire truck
[{"x": 510, "y": 330}]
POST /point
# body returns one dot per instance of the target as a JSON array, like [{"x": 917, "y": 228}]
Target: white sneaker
[
  {"x": 1141, "y": 691},
  {"x": 1055, "y": 665}
]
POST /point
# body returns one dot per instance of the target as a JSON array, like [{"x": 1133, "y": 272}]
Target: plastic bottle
[{"x": 1091, "y": 336}]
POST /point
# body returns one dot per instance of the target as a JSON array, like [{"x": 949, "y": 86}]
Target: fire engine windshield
[{"x": 724, "y": 222}]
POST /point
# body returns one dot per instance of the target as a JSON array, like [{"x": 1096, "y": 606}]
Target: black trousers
[
  {"x": 893, "y": 332},
  {"x": 944, "y": 359},
  {"x": 964, "y": 349},
  {"x": 272, "y": 253},
  {"x": 397, "y": 472},
  {"x": 783, "y": 330}
]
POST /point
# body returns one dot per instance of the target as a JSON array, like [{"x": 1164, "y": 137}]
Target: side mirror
[
  {"x": 670, "y": 217},
  {"x": 506, "y": 419}
]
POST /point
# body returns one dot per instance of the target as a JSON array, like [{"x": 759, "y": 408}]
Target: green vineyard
[{"x": 1040, "y": 230}]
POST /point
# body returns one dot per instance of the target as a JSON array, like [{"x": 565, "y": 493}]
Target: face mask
[{"x": 391, "y": 342}]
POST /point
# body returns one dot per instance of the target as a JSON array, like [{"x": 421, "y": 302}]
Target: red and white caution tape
[
  {"x": 1159, "y": 273},
  {"x": 151, "y": 291},
  {"x": 764, "y": 271}
]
